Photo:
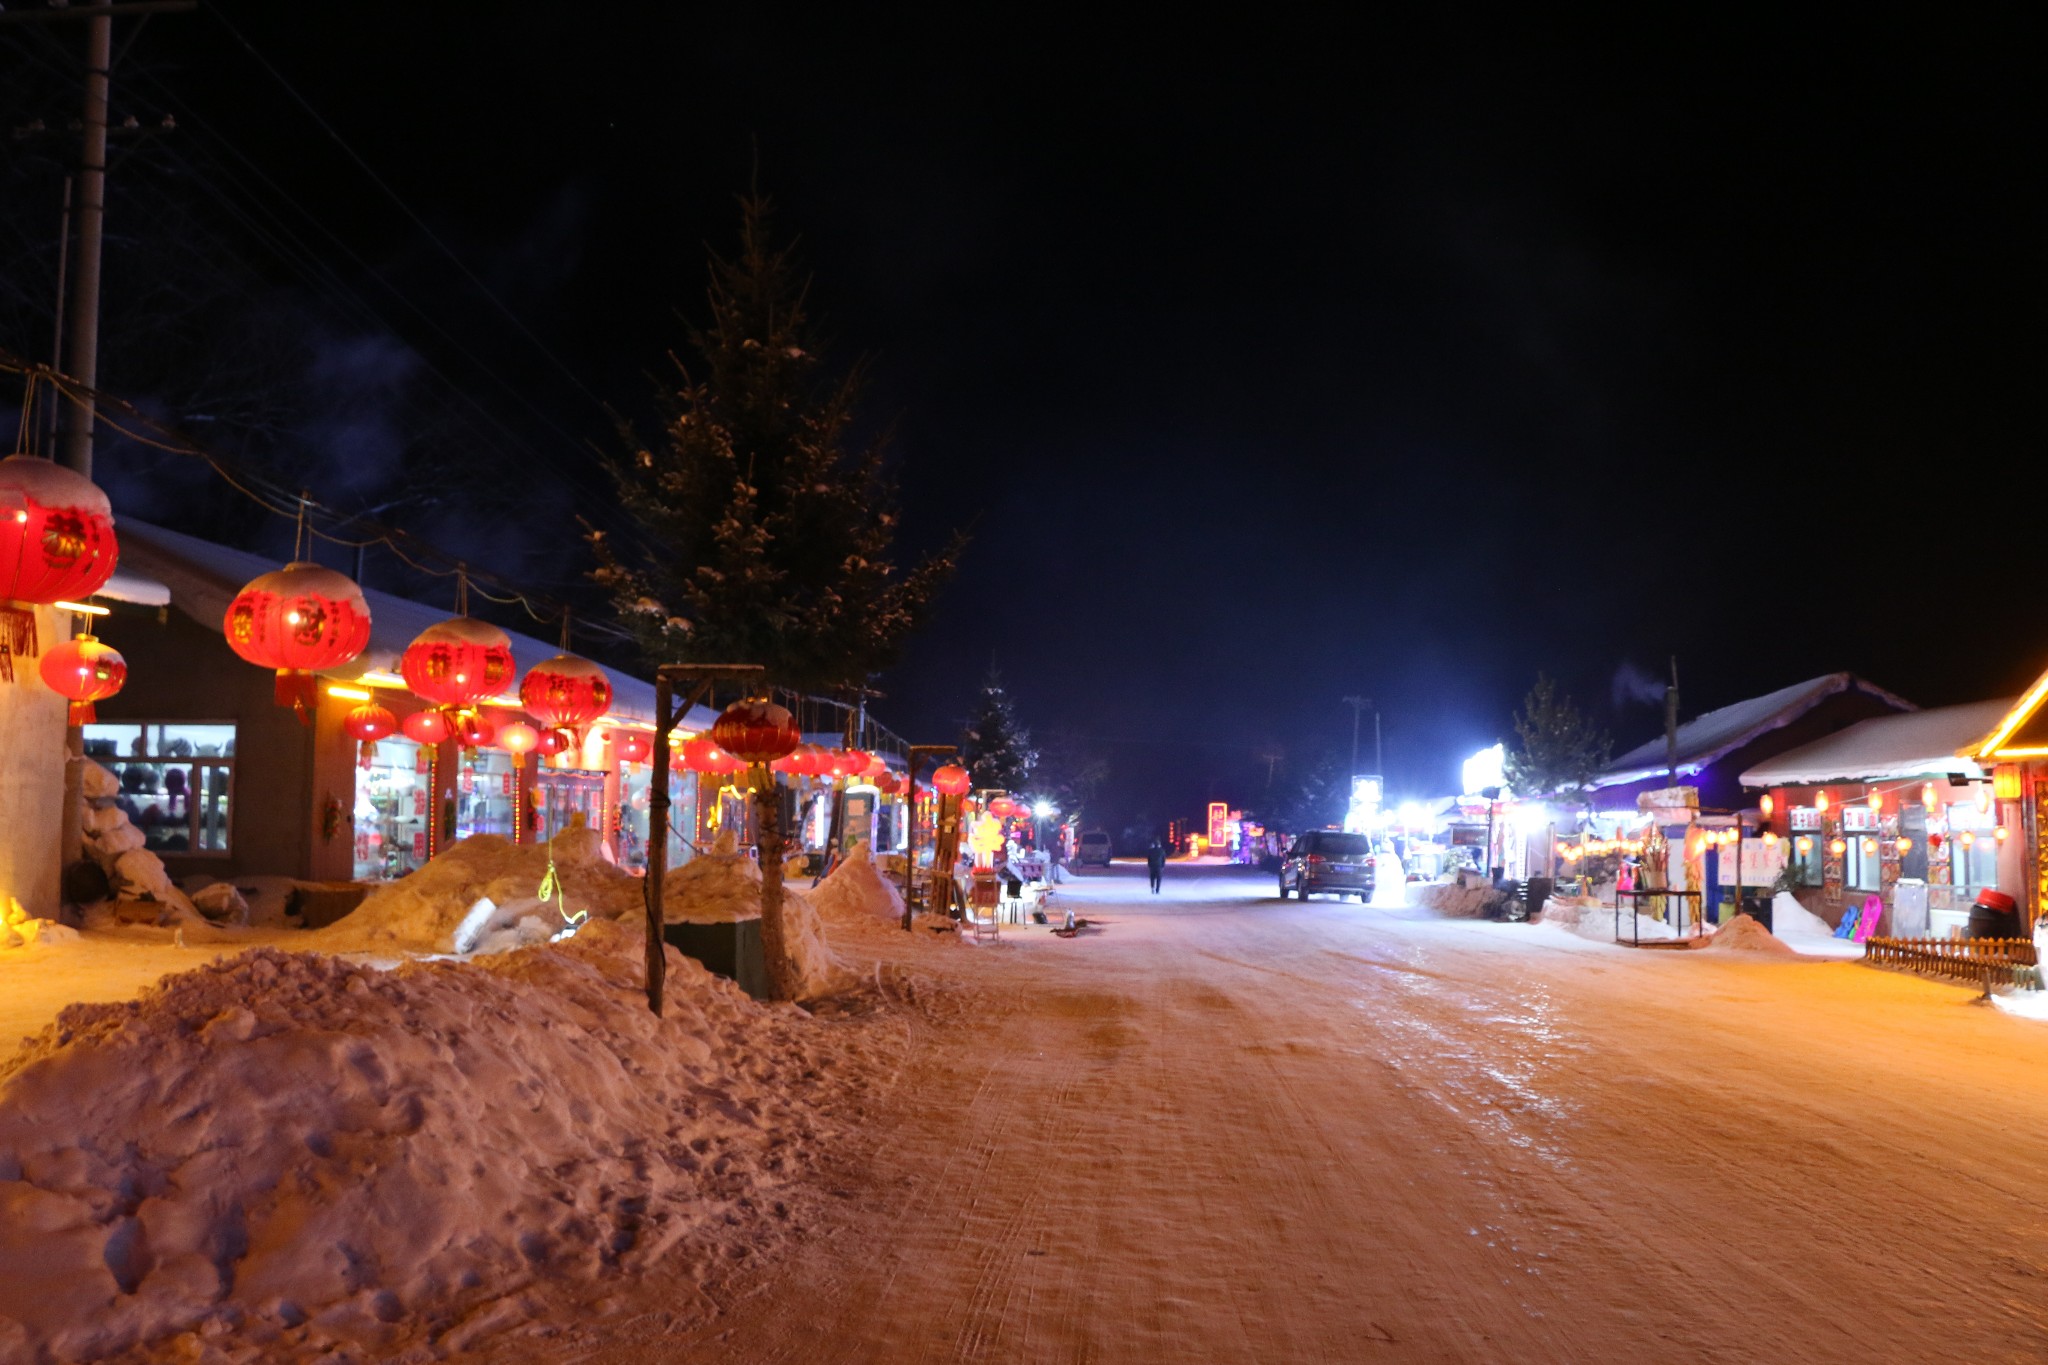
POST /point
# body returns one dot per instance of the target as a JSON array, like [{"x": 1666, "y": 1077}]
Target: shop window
[
  {"x": 393, "y": 795},
  {"x": 562, "y": 794},
  {"x": 484, "y": 786},
  {"x": 177, "y": 781}
]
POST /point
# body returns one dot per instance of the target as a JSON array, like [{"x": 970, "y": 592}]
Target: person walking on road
[{"x": 1155, "y": 864}]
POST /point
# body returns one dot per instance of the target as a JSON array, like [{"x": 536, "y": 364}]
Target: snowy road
[{"x": 1231, "y": 1129}]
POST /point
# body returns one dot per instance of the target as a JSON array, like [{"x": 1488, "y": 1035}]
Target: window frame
[{"x": 225, "y": 762}]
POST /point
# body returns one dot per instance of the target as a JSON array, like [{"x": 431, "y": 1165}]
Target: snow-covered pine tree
[
  {"x": 995, "y": 747},
  {"x": 767, "y": 536}
]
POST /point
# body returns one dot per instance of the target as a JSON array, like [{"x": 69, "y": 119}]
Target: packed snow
[{"x": 1745, "y": 934}]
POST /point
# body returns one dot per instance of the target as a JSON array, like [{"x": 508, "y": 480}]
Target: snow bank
[
  {"x": 1589, "y": 918},
  {"x": 291, "y": 1153},
  {"x": 1744, "y": 933},
  {"x": 857, "y": 891},
  {"x": 1453, "y": 901}
]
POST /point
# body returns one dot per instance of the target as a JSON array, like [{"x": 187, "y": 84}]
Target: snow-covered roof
[
  {"x": 1883, "y": 748},
  {"x": 1715, "y": 734},
  {"x": 203, "y": 579}
]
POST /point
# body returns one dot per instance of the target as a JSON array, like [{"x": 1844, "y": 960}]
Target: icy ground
[
  {"x": 1224, "y": 1128},
  {"x": 1220, "y": 1127}
]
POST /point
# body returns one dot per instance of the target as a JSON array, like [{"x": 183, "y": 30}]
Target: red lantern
[
  {"x": 426, "y": 727},
  {"x": 367, "y": 724},
  {"x": 701, "y": 755},
  {"x": 551, "y": 742},
  {"x": 756, "y": 732},
  {"x": 474, "y": 731},
  {"x": 299, "y": 620},
  {"x": 83, "y": 671},
  {"x": 951, "y": 780},
  {"x": 566, "y": 693},
  {"x": 56, "y": 544},
  {"x": 850, "y": 763},
  {"x": 1934, "y": 841},
  {"x": 876, "y": 767},
  {"x": 887, "y": 784},
  {"x": 631, "y": 746},
  {"x": 458, "y": 662},
  {"x": 518, "y": 739},
  {"x": 1003, "y": 808}
]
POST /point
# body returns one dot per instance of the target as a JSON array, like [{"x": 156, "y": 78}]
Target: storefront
[{"x": 394, "y": 794}]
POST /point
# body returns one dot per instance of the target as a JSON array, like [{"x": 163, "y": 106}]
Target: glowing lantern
[
  {"x": 518, "y": 739},
  {"x": 796, "y": 763},
  {"x": 1838, "y": 847},
  {"x": 888, "y": 784},
  {"x": 2001, "y": 833},
  {"x": 551, "y": 743},
  {"x": 1969, "y": 839},
  {"x": 951, "y": 780},
  {"x": 1805, "y": 844},
  {"x": 1770, "y": 839},
  {"x": 566, "y": 693},
  {"x": 876, "y": 767},
  {"x": 56, "y": 544},
  {"x": 1927, "y": 796},
  {"x": 818, "y": 761},
  {"x": 472, "y": 731},
  {"x": 850, "y": 763},
  {"x": 298, "y": 621},
  {"x": 1766, "y": 806},
  {"x": 1984, "y": 797},
  {"x": 82, "y": 670},
  {"x": 426, "y": 727},
  {"x": 631, "y": 746},
  {"x": 2005, "y": 783},
  {"x": 458, "y": 662},
  {"x": 1004, "y": 808},
  {"x": 367, "y": 724},
  {"x": 701, "y": 755},
  {"x": 1820, "y": 801},
  {"x": 1876, "y": 799},
  {"x": 1869, "y": 847},
  {"x": 1904, "y": 846},
  {"x": 756, "y": 732}
]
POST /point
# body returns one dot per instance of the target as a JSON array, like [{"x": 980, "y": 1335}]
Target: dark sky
[{"x": 1283, "y": 358}]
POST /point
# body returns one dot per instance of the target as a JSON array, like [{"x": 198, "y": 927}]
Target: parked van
[{"x": 1094, "y": 848}]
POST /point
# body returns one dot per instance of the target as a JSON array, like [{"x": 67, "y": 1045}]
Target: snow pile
[
  {"x": 441, "y": 908},
  {"x": 1744, "y": 933},
  {"x": 1453, "y": 901},
  {"x": 857, "y": 891},
  {"x": 19, "y": 929},
  {"x": 292, "y": 1154},
  {"x": 113, "y": 843}
]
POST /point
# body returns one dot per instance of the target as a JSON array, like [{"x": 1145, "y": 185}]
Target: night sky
[{"x": 1270, "y": 360}]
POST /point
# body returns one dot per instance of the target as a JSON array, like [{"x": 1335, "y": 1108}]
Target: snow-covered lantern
[
  {"x": 56, "y": 544},
  {"x": 426, "y": 727},
  {"x": 951, "y": 780},
  {"x": 458, "y": 662},
  {"x": 83, "y": 670},
  {"x": 566, "y": 693},
  {"x": 518, "y": 739},
  {"x": 298, "y": 621},
  {"x": 367, "y": 724},
  {"x": 757, "y": 733}
]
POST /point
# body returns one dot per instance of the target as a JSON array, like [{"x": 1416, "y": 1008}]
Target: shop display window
[
  {"x": 393, "y": 797},
  {"x": 485, "y": 783},
  {"x": 177, "y": 781},
  {"x": 562, "y": 794},
  {"x": 636, "y": 782}
]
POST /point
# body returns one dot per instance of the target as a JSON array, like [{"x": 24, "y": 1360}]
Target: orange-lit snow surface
[{"x": 1220, "y": 1127}]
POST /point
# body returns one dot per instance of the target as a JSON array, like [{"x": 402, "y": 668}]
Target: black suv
[{"x": 1329, "y": 861}]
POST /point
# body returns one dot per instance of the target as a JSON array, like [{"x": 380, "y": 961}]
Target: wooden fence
[{"x": 1987, "y": 961}]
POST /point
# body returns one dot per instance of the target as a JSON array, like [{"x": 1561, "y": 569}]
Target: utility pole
[
  {"x": 1358, "y": 706},
  {"x": 1671, "y": 727}
]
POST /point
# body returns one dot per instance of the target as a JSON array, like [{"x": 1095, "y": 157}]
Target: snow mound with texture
[
  {"x": 857, "y": 891},
  {"x": 1453, "y": 901},
  {"x": 294, "y": 1154},
  {"x": 1594, "y": 919},
  {"x": 723, "y": 885},
  {"x": 1746, "y": 934},
  {"x": 430, "y": 910}
]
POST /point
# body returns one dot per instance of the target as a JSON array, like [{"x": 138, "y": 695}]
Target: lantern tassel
[
  {"x": 80, "y": 713},
  {"x": 300, "y": 691},
  {"x": 366, "y": 754}
]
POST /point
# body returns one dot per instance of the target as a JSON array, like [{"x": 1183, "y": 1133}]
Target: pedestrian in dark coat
[{"x": 1155, "y": 864}]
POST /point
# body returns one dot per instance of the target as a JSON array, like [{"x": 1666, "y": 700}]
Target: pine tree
[
  {"x": 995, "y": 748},
  {"x": 767, "y": 536},
  {"x": 1560, "y": 749}
]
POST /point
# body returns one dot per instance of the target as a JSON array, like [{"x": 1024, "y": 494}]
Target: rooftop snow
[
  {"x": 1711, "y": 736},
  {"x": 1886, "y": 747}
]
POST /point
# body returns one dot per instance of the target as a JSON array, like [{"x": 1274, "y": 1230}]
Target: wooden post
[{"x": 913, "y": 759}]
